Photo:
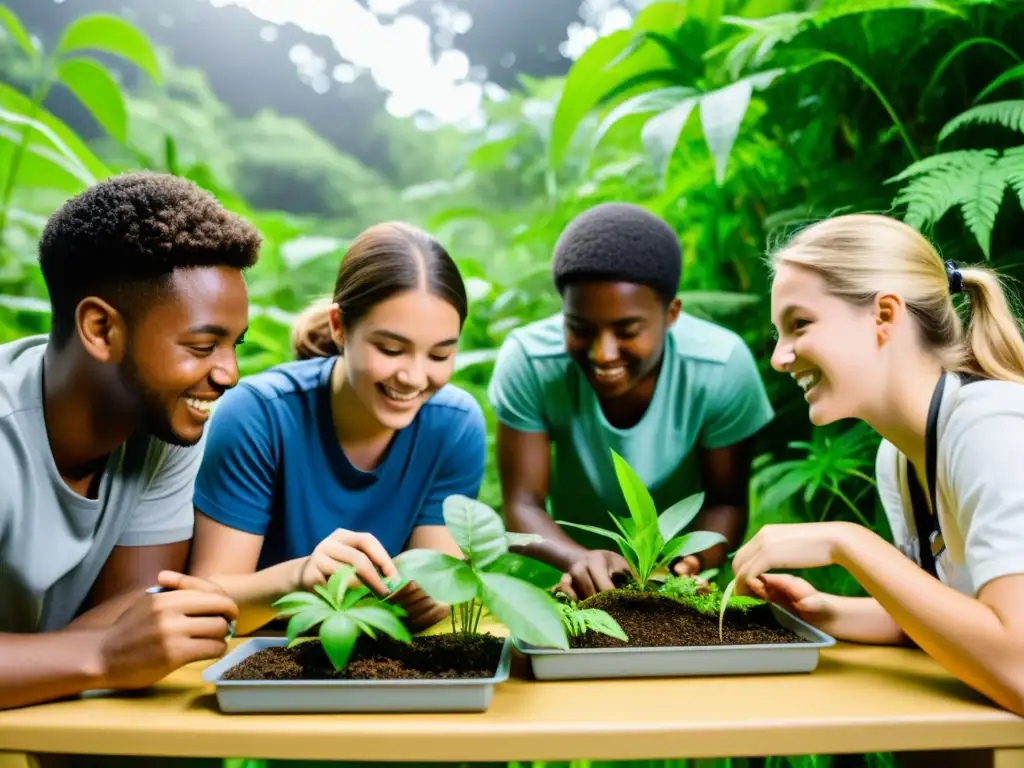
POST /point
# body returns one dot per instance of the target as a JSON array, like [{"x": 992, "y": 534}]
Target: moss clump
[{"x": 704, "y": 599}]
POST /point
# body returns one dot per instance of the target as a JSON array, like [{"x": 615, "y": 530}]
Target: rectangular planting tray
[
  {"x": 683, "y": 661},
  {"x": 330, "y": 696}
]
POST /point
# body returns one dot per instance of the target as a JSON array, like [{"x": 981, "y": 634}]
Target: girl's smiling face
[{"x": 829, "y": 346}]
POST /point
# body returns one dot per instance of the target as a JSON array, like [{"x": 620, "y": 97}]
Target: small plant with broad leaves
[
  {"x": 343, "y": 613},
  {"x": 510, "y": 587},
  {"x": 647, "y": 540},
  {"x": 578, "y": 620}
]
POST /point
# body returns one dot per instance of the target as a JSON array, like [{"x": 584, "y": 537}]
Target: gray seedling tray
[
  {"x": 683, "y": 661},
  {"x": 328, "y": 696}
]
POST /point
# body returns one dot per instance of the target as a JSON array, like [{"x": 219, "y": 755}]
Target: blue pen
[{"x": 159, "y": 590}]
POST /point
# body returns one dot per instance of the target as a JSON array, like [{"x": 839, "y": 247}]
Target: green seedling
[
  {"x": 343, "y": 612},
  {"x": 647, "y": 540},
  {"x": 511, "y": 587},
  {"x": 725, "y": 604},
  {"x": 578, "y": 620}
]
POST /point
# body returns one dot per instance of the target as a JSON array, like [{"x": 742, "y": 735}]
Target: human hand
[
  {"x": 795, "y": 595},
  {"x": 788, "y": 545},
  {"x": 593, "y": 572},
  {"x": 343, "y": 548},
  {"x": 421, "y": 610},
  {"x": 686, "y": 566},
  {"x": 159, "y": 633}
]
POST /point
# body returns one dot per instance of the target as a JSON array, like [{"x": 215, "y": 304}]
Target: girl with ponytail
[
  {"x": 867, "y": 327},
  {"x": 345, "y": 456}
]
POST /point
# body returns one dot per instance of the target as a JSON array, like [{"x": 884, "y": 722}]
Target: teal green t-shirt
[{"x": 709, "y": 394}]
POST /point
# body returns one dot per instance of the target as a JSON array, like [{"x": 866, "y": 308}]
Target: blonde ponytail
[
  {"x": 993, "y": 346},
  {"x": 861, "y": 255},
  {"x": 311, "y": 332}
]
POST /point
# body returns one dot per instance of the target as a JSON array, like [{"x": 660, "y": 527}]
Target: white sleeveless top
[{"x": 979, "y": 485}]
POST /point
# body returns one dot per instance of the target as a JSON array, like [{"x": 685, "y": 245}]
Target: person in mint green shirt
[{"x": 622, "y": 368}]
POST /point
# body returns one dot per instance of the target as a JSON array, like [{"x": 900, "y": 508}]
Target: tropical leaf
[
  {"x": 1009, "y": 114},
  {"x": 679, "y": 515},
  {"x": 14, "y": 27},
  {"x": 476, "y": 528},
  {"x": 973, "y": 180},
  {"x": 443, "y": 577},
  {"x": 93, "y": 85},
  {"x": 1014, "y": 73},
  {"x": 530, "y": 613},
  {"x": 110, "y": 34}
]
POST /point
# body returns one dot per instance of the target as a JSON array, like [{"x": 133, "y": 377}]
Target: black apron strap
[{"x": 927, "y": 520}]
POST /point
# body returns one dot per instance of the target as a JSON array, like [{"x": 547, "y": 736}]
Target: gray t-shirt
[{"x": 53, "y": 541}]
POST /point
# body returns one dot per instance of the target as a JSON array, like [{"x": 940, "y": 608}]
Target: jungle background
[{"x": 736, "y": 121}]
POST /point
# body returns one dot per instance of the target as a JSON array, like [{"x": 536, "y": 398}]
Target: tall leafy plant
[
  {"x": 647, "y": 540},
  {"x": 488, "y": 577}
]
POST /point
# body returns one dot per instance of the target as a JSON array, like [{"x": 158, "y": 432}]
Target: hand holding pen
[{"x": 181, "y": 620}]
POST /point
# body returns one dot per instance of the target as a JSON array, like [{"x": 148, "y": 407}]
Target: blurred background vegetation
[{"x": 491, "y": 124}]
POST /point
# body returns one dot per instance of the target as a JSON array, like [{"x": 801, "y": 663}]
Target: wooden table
[{"x": 860, "y": 699}]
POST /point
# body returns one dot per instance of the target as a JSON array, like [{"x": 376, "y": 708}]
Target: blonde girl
[{"x": 863, "y": 307}]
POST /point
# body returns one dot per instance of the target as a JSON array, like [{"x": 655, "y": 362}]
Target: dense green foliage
[{"x": 734, "y": 120}]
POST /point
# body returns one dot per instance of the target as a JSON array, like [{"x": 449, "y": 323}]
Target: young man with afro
[
  {"x": 101, "y": 422},
  {"x": 622, "y": 368}
]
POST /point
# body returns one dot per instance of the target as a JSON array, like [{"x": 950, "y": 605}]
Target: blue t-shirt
[{"x": 273, "y": 465}]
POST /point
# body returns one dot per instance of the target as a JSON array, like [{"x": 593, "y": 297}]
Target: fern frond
[
  {"x": 974, "y": 180},
  {"x": 1006, "y": 113},
  {"x": 1011, "y": 165}
]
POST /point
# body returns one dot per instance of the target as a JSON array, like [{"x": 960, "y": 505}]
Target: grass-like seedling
[
  {"x": 343, "y": 612},
  {"x": 647, "y": 540},
  {"x": 578, "y": 621},
  {"x": 489, "y": 577}
]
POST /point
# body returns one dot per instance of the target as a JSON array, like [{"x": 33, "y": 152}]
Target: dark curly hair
[
  {"x": 620, "y": 242},
  {"x": 124, "y": 237}
]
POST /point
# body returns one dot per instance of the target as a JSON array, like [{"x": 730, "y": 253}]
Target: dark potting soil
[
  {"x": 429, "y": 657},
  {"x": 650, "y": 619}
]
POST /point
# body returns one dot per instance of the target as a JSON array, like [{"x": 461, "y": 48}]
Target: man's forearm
[
  {"x": 35, "y": 668},
  {"x": 254, "y": 593},
  {"x": 558, "y": 548}
]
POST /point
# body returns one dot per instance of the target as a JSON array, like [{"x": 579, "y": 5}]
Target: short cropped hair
[
  {"x": 130, "y": 232},
  {"x": 619, "y": 242}
]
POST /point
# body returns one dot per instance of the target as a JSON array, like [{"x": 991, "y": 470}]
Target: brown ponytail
[
  {"x": 311, "y": 332},
  {"x": 993, "y": 346}
]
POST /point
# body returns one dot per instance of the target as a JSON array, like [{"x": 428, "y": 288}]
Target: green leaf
[
  {"x": 381, "y": 618},
  {"x": 646, "y": 539},
  {"x": 1013, "y": 73},
  {"x": 353, "y": 595},
  {"x": 338, "y": 634},
  {"x": 297, "y": 601},
  {"x": 660, "y": 134},
  {"x": 93, "y": 85},
  {"x": 476, "y": 528},
  {"x": 13, "y": 24},
  {"x": 1009, "y": 114},
  {"x": 723, "y": 605},
  {"x": 321, "y": 590},
  {"x": 659, "y": 100},
  {"x": 599, "y": 531},
  {"x": 70, "y": 145},
  {"x": 337, "y": 583},
  {"x": 526, "y": 568},
  {"x": 679, "y": 515},
  {"x": 444, "y": 578},
  {"x": 110, "y": 34},
  {"x": 597, "y": 620},
  {"x": 305, "y": 619},
  {"x": 530, "y": 613},
  {"x": 604, "y": 66},
  {"x": 698, "y": 541}
]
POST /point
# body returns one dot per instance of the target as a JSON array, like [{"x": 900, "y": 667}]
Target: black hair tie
[{"x": 956, "y": 280}]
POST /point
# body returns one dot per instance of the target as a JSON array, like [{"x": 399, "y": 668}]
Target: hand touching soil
[
  {"x": 592, "y": 573},
  {"x": 160, "y": 633}
]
